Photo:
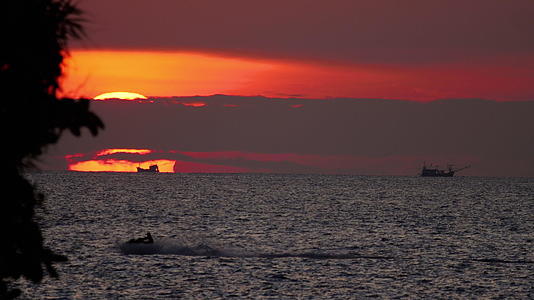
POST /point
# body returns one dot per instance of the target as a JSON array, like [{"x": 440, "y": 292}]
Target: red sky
[
  {"x": 418, "y": 49},
  {"x": 303, "y": 50}
]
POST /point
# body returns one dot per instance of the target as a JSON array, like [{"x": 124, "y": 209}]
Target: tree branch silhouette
[{"x": 34, "y": 44}]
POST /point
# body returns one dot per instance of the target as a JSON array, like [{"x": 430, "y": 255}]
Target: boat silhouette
[
  {"x": 151, "y": 169},
  {"x": 434, "y": 171}
]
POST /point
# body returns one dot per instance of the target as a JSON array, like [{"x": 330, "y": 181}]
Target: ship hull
[
  {"x": 448, "y": 174},
  {"x": 152, "y": 169},
  {"x": 435, "y": 172},
  {"x": 140, "y": 170}
]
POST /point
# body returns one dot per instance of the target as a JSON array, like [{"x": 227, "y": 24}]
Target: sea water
[{"x": 266, "y": 236}]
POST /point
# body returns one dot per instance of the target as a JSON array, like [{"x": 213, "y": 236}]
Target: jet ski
[{"x": 144, "y": 240}]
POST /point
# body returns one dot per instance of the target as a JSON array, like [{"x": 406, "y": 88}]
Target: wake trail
[{"x": 175, "y": 247}]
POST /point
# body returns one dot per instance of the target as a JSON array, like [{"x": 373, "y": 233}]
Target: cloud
[
  {"x": 378, "y": 31},
  {"x": 356, "y": 136}
]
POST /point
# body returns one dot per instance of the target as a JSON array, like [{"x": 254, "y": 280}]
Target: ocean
[{"x": 272, "y": 236}]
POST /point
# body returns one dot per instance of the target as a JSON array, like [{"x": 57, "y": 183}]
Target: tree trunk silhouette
[{"x": 34, "y": 38}]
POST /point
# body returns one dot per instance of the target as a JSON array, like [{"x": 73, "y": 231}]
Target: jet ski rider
[{"x": 144, "y": 240}]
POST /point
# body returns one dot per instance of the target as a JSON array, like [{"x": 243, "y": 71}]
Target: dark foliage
[{"x": 33, "y": 35}]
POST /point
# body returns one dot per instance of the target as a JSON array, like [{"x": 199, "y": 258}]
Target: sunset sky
[{"x": 307, "y": 65}]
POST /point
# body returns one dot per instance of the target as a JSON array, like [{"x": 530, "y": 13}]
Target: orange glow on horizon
[
  {"x": 112, "y": 165},
  {"x": 120, "y": 95},
  {"x": 97, "y": 164},
  {"x": 159, "y": 73},
  {"x": 178, "y": 73}
]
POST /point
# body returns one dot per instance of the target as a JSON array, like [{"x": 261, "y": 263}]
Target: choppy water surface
[{"x": 288, "y": 236}]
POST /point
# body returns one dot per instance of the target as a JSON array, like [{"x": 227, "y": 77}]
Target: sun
[{"x": 120, "y": 95}]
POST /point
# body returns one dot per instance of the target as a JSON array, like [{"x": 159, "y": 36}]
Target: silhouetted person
[
  {"x": 149, "y": 238},
  {"x": 34, "y": 38},
  {"x": 144, "y": 240}
]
